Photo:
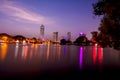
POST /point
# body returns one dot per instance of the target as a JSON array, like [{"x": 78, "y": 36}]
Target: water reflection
[
  {"x": 81, "y": 57},
  {"x": 24, "y": 52},
  {"x": 37, "y": 57},
  {"x": 65, "y": 49},
  {"x": 3, "y": 51},
  {"x": 31, "y": 50},
  {"x": 36, "y": 49},
  {"x": 48, "y": 51},
  {"x": 16, "y": 50},
  {"x": 56, "y": 52},
  {"x": 97, "y": 55},
  {"x": 100, "y": 56},
  {"x": 94, "y": 54},
  {"x": 58, "y": 49}
]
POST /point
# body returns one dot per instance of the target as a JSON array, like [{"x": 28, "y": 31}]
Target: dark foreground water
[{"x": 37, "y": 61}]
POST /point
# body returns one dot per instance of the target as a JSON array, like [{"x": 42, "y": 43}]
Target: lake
[{"x": 57, "y": 61}]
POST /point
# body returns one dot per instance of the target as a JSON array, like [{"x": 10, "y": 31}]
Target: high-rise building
[
  {"x": 55, "y": 36},
  {"x": 42, "y": 28},
  {"x": 69, "y": 36}
]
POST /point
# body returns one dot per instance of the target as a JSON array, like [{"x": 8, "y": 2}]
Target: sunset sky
[{"x": 24, "y": 17}]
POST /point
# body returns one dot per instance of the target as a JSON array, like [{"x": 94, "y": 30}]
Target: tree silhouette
[
  {"x": 19, "y": 37},
  {"x": 81, "y": 40},
  {"x": 63, "y": 42},
  {"x": 110, "y": 23}
]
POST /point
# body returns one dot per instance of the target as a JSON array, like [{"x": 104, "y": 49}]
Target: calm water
[{"x": 38, "y": 60}]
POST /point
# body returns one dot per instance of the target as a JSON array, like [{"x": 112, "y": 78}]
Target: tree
[
  {"x": 110, "y": 23},
  {"x": 63, "y": 42},
  {"x": 81, "y": 40},
  {"x": 19, "y": 37}
]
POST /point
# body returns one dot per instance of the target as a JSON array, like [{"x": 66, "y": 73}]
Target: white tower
[{"x": 42, "y": 32}]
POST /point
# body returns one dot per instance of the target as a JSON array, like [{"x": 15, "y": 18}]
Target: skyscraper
[
  {"x": 42, "y": 32},
  {"x": 55, "y": 36},
  {"x": 69, "y": 36}
]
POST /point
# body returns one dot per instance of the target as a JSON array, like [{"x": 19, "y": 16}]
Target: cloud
[{"x": 22, "y": 14}]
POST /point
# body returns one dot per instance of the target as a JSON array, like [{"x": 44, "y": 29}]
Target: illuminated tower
[
  {"x": 55, "y": 36},
  {"x": 69, "y": 36},
  {"x": 42, "y": 32}
]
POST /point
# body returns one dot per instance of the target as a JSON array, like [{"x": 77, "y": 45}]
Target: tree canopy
[{"x": 110, "y": 23}]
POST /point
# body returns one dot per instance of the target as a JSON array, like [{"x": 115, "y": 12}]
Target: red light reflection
[
  {"x": 97, "y": 55},
  {"x": 94, "y": 54},
  {"x": 100, "y": 56}
]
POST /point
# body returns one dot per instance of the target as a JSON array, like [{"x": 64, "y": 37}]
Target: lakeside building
[
  {"x": 55, "y": 36},
  {"x": 69, "y": 36}
]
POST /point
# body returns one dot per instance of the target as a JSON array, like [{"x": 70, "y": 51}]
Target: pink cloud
[{"x": 22, "y": 14}]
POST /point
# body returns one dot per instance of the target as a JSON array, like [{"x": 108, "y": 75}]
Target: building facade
[
  {"x": 42, "y": 29},
  {"x": 55, "y": 36},
  {"x": 69, "y": 36}
]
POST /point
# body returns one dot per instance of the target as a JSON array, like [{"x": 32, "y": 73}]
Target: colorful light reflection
[
  {"x": 48, "y": 51},
  {"x": 3, "y": 51},
  {"x": 64, "y": 49},
  {"x": 100, "y": 56},
  {"x": 81, "y": 57},
  {"x": 94, "y": 54},
  {"x": 16, "y": 50},
  {"x": 24, "y": 52},
  {"x": 97, "y": 55}
]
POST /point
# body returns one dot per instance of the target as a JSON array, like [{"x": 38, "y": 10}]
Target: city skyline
[{"x": 24, "y": 17}]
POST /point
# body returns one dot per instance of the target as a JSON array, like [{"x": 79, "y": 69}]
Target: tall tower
[
  {"x": 55, "y": 36},
  {"x": 42, "y": 32},
  {"x": 69, "y": 36}
]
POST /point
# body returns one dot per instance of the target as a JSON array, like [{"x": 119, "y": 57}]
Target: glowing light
[
  {"x": 81, "y": 33},
  {"x": 97, "y": 54},
  {"x": 1, "y": 41},
  {"x": 4, "y": 38},
  {"x": 25, "y": 52},
  {"x": 3, "y": 51},
  {"x": 81, "y": 57},
  {"x": 31, "y": 50},
  {"x": 48, "y": 51},
  {"x": 16, "y": 51},
  {"x": 100, "y": 55},
  {"x": 24, "y": 42},
  {"x": 59, "y": 52},
  {"x": 96, "y": 44},
  {"x": 17, "y": 41},
  {"x": 94, "y": 54}
]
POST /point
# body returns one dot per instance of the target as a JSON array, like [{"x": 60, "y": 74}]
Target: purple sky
[{"x": 24, "y": 17}]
